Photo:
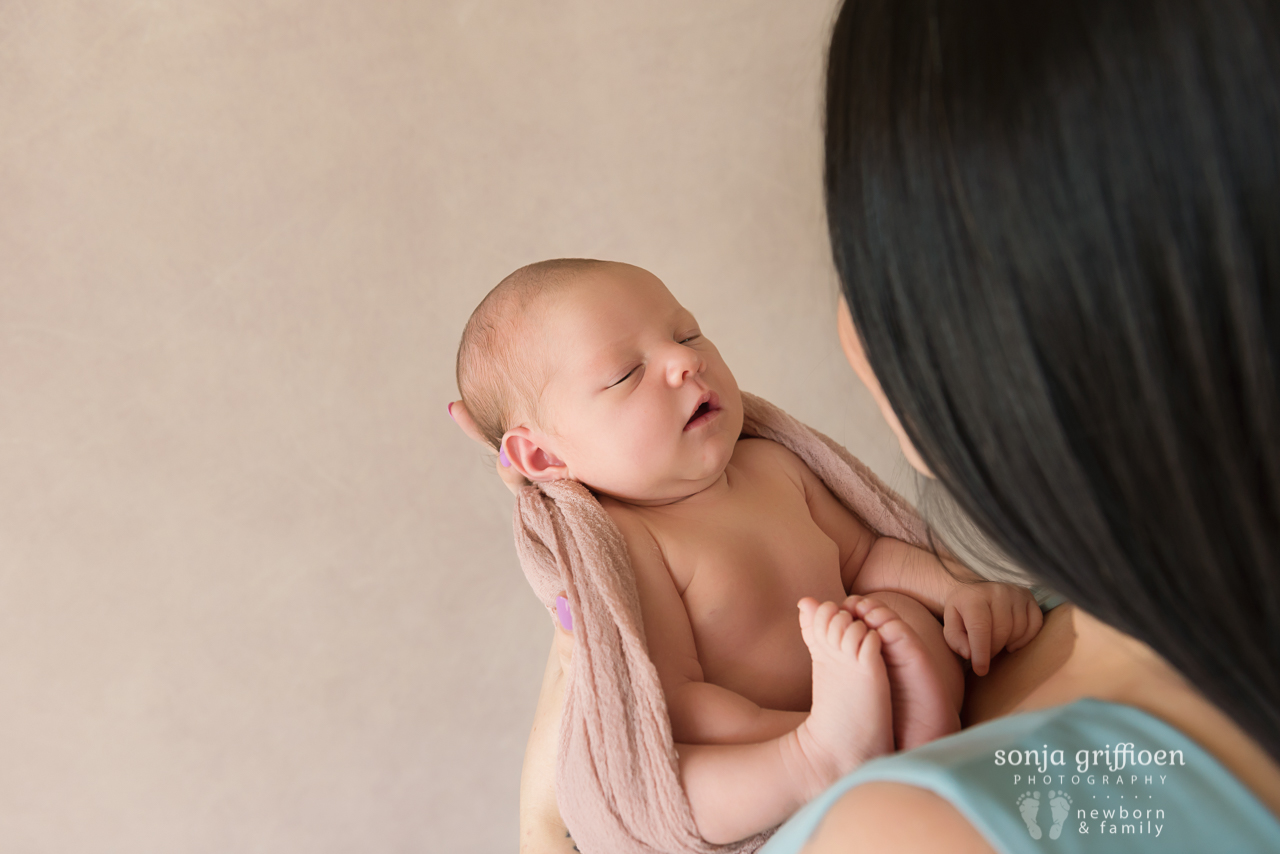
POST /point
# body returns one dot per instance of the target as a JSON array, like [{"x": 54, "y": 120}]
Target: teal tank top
[{"x": 1084, "y": 778}]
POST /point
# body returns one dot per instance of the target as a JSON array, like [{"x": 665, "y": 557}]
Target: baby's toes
[
  {"x": 853, "y": 637},
  {"x": 869, "y": 651},
  {"x": 893, "y": 629},
  {"x": 876, "y": 613},
  {"x": 822, "y": 619},
  {"x": 850, "y": 604},
  {"x": 807, "y": 606},
  {"x": 815, "y": 620},
  {"x": 840, "y": 622},
  {"x": 860, "y": 606}
]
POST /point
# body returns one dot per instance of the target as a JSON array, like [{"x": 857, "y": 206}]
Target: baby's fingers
[
  {"x": 1034, "y": 622},
  {"x": 1004, "y": 621},
  {"x": 1017, "y": 624},
  {"x": 953, "y": 631},
  {"x": 977, "y": 626}
]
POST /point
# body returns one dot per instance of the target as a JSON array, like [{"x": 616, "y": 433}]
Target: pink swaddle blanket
[{"x": 617, "y": 778}]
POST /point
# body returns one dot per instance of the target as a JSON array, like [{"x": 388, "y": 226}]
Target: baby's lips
[{"x": 708, "y": 398}]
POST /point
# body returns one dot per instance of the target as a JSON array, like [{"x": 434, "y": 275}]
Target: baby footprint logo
[
  {"x": 1059, "y": 808},
  {"x": 1029, "y": 806}
]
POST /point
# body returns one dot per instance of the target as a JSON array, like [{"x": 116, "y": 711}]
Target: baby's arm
[
  {"x": 979, "y": 617},
  {"x": 700, "y": 712},
  {"x": 868, "y": 562}
]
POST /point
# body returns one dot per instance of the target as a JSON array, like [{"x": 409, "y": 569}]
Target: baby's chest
[{"x": 751, "y": 551}]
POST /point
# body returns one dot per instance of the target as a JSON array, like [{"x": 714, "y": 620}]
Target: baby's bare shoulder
[
  {"x": 757, "y": 453},
  {"x": 634, "y": 528},
  {"x": 766, "y": 449},
  {"x": 620, "y": 512},
  {"x": 648, "y": 558}
]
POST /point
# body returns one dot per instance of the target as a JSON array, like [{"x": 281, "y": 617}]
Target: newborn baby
[{"x": 592, "y": 371}]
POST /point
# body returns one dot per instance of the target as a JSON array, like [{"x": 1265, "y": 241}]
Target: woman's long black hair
[{"x": 1057, "y": 225}]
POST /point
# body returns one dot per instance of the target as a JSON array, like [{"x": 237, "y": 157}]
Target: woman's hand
[
  {"x": 542, "y": 831},
  {"x": 512, "y": 478},
  {"x": 981, "y": 619}
]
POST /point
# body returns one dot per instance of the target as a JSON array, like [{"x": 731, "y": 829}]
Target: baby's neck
[{"x": 713, "y": 491}]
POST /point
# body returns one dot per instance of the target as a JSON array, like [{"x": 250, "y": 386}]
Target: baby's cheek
[
  {"x": 612, "y": 463},
  {"x": 638, "y": 468},
  {"x": 636, "y": 460}
]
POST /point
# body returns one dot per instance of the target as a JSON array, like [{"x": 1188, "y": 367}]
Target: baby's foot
[
  {"x": 851, "y": 720},
  {"x": 922, "y": 710}
]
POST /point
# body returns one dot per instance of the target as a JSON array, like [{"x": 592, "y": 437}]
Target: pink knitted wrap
[{"x": 617, "y": 778}]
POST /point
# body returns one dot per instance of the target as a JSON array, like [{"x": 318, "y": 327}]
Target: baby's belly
[{"x": 747, "y": 628}]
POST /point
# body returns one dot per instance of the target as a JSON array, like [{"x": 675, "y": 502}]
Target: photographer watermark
[{"x": 1111, "y": 790}]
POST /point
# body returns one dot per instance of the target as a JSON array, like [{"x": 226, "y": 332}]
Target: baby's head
[{"x": 590, "y": 370}]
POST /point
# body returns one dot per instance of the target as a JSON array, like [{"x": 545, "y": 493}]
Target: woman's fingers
[
  {"x": 458, "y": 412},
  {"x": 512, "y": 478},
  {"x": 564, "y": 648},
  {"x": 564, "y": 632}
]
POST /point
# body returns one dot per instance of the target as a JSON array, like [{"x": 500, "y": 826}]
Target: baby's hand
[{"x": 979, "y": 620}]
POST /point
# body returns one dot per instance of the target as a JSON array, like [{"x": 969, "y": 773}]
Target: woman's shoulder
[
  {"x": 1075, "y": 772},
  {"x": 887, "y": 816}
]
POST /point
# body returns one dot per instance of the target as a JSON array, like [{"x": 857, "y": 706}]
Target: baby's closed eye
[{"x": 625, "y": 377}]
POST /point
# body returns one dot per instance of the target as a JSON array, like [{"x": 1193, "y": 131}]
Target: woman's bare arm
[{"x": 542, "y": 831}]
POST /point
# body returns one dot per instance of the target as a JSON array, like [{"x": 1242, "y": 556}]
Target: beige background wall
[{"x": 256, "y": 591}]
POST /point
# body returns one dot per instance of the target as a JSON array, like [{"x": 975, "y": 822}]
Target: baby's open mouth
[{"x": 708, "y": 406}]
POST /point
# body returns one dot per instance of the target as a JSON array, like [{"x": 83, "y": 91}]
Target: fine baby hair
[{"x": 498, "y": 382}]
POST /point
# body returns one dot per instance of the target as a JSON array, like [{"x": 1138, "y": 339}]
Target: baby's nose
[{"x": 684, "y": 363}]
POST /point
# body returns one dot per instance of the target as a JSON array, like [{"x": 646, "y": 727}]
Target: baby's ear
[{"x": 526, "y": 452}]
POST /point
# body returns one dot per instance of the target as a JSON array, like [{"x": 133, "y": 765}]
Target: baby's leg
[
  {"x": 926, "y": 678},
  {"x": 736, "y": 790}
]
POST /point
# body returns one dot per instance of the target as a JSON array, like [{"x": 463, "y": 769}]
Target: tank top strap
[{"x": 1084, "y": 778}]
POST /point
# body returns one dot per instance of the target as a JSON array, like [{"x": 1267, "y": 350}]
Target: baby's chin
[{"x": 653, "y": 484}]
